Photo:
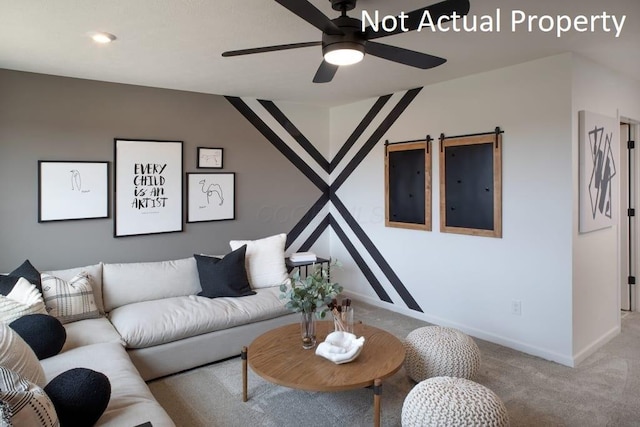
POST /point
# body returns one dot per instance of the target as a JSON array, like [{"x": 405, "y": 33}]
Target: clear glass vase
[
  {"x": 343, "y": 320},
  {"x": 308, "y": 329}
]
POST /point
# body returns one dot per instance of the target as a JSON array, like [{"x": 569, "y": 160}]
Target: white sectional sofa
[{"x": 154, "y": 325}]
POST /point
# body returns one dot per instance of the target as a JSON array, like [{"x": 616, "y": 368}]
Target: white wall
[
  {"x": 567, "y": 282},
  {"x": 464, "y": 281},
  {"x": 596, "y": 261}
]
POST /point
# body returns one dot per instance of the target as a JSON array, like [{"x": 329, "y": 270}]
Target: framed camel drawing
[{"x": 211, "y": 196}]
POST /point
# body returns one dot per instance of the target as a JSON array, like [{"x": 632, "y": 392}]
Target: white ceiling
[{"x": 177, "y": 44}]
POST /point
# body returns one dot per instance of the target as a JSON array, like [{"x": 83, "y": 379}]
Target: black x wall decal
[{"x": 329, "y": 191}]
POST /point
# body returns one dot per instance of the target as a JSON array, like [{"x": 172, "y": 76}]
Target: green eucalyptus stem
[{"x": 312, "y": 292}]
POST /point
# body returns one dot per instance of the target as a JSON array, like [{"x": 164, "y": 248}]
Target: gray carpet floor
[{"x": 604, "y": 390}]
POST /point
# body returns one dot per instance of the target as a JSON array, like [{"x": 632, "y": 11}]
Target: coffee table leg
[
  {"x": 377, "y": 392},
  {"x": 243, "y": 355}
]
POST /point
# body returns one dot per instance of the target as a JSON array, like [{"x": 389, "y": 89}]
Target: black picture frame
[
  {"x": 210, "y": 158},
  {"x": 72, "y": 190},
  {"x": 211, "y": 196},
  {"x": 148, "y": 187}
]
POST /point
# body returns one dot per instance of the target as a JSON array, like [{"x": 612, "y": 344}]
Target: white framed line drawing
[
  {"x": 72, "y": 190},
  {"x": 211, "y": 196},
  {"x": 210, "y": 158}
]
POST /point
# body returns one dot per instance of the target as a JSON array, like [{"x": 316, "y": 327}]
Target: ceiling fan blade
[
  {"x": 404, "y": 56},
  {"x": 312, "y": 15},
  {"x": 414, "y": 18},
  {"x": 325, "y": 72},
  {"x": 269, "y": 48}
]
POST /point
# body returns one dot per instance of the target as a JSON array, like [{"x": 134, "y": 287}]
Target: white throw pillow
[
  {"x": 27, "y": 403},
  {"x": 264, "y": 260},
  {"x": 15, "y": 354},
  {"x": 23, "y": 299},
  {"x": 69, "y": 301}
]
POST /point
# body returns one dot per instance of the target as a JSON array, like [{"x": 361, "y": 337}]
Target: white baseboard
[
  {"x": 595, "y": 345},
  {"x": 566, "y": 360}
]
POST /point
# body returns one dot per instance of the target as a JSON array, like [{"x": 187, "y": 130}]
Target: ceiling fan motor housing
[
  {"x": 353, "y": 37},
  {"x": 343, "y": 5}
]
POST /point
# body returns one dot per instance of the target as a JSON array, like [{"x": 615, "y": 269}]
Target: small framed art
[
  {"x": 70, "y": 190},
  {"x": 209, "y": 158},
  {"x": 211, "y": 196}
]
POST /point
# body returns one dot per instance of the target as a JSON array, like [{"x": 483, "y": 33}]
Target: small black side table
[{"x": 305, "y": 264}]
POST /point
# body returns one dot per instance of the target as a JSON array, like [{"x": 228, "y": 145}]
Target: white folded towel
[{"x": 340, "y": 347}]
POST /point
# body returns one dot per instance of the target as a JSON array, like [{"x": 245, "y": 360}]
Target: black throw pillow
[
  {"x": 27, "y": 271},
  {"x": 226, "y": 277},
  {"x": 80, "y": 396},
  {"x": 44, "y": 334}
]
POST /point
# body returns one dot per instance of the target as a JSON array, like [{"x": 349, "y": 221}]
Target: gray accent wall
[{"x": 45, "y": 117}]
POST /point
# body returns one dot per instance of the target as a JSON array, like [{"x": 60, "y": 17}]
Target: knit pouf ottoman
[
  {"x": 437, "y": 351},
  {"x": 452, "y": 402}
]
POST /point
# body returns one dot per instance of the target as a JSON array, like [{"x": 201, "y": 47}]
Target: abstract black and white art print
[{"x": 599, "y": 177}]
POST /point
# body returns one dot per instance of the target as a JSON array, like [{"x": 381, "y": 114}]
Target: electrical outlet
[{"x": 516, "y": 307}]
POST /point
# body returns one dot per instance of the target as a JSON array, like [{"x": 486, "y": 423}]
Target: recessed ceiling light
[{"x": 103, "y": 38}]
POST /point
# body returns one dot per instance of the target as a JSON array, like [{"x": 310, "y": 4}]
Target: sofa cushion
[
  {"x": 25, "y": 270},
  {"x": 151, "y": 323},
  {"x": 226, "y": 277},
  {"x": 95, "y": 274},
  {"x": 131, "y": 401},
  {"x": 264, "y": 260},
  {"x": 146, "y": 281},
  {"x": 71, "y": 300},
  {"x": 15, "y": 354},
  {"x": 90, "y": 331},
  {"x": 28, "y": 404}
]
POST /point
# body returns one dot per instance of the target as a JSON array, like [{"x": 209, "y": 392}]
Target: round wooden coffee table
[{"x": 278, "y": 357}]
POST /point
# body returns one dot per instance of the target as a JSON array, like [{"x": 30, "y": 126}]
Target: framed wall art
[
  {"x": 69, "y": 190},
  {"x": 210, "y": 158},
  {"x": 148, "y": 187},
  {"x": 211, "y": 196},
  {"x": 471, "y": 184},
  {"x": 599, "y": 150},
  {"x": 408, "y": 184}
]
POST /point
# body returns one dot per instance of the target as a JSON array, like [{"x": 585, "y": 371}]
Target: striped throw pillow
[
  {"x": 69, "y": 301},
  {"x": 24, "y": 403}
]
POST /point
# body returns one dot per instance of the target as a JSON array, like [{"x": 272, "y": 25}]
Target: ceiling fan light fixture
[{"x": 344, "y": 53}]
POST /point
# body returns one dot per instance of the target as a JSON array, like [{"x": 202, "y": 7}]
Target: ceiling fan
[{"x": 344, "y": 42}]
